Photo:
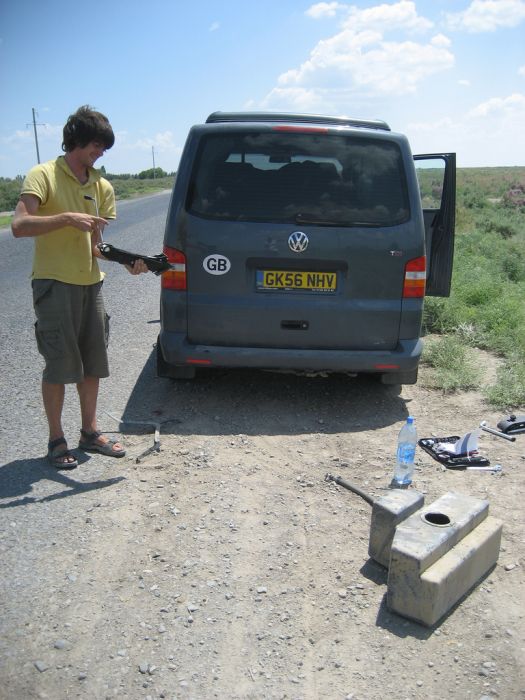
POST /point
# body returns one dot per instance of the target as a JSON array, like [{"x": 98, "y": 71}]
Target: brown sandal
[
  {"x": 90, "y": 444},
  {"x": 59, "y": 458}
]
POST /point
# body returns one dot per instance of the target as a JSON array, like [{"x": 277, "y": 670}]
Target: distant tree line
[
  {"x": 10, "y": 187},
  {"x": 9, "y": 192},
  {"x": 150, "y": 174}
]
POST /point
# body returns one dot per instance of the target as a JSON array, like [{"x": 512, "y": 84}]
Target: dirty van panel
[
  {"x": 274, "y": 300},
  {"x": 292, "y": 241},
  {"x": 437, "y": 183}
]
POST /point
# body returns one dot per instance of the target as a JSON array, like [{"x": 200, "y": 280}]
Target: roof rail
[{"x": 216, "y": 117}]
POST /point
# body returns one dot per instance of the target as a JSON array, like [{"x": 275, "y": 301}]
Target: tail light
[
  {"x": 176, "y": 277},
  {"x": 415, "y": 278}
]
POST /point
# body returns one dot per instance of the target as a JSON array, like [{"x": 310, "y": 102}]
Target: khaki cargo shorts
[{"x": 72, "y": 330}]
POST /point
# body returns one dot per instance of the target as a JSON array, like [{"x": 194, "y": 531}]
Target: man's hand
[
  {"x": 27, "y": 222},
  {"x": 138, "y": 267},
  {"x": 87, "y": 222}
]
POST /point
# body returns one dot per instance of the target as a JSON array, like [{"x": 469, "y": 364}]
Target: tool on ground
[
  {"x": 156, "y": 425},
  {"x": 483, "y": 425},
  {"x": 350, "y": 487},
  {"x": 494, "y": 469},
  {"x": 512, "y": 424},
  {"x": 155, "y": 263}
]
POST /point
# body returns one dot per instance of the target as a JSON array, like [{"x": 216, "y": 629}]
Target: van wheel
[
  {"x": 409, "y": 377},
  {"x": 182, "y": 372},
  {"x": 172, "y": 371}
]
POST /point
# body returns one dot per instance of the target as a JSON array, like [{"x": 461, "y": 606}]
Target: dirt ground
[{"x": 225, "y": 566}]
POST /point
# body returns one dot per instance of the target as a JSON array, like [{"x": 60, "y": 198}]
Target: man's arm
[{"x": 27, "y": 223}]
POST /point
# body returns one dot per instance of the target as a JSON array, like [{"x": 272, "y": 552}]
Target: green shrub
[
  {"x": 133, "y": 187},
  {"x": 509, "y": 391},
  {"x": 486, "y": 308},
  {"x": 453, "y": 365}
]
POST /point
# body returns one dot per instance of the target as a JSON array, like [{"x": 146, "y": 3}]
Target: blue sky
[{"x": 448, "y": 73}]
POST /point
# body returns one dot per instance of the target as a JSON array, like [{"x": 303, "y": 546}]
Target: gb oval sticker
[{"x": 216, "y": 264}]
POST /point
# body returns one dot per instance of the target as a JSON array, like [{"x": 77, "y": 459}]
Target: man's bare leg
[
  {"x": 53, "y": 399},
  {"x": 88, "y": 395}
]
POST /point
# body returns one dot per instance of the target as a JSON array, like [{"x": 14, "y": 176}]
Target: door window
[{"x": 431, "y": 176}]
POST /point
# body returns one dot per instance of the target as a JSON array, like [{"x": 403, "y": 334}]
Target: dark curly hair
[{"x": 84, "y": 126}]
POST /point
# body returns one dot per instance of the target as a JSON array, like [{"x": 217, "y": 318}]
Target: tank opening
[{"x": 439, "y": 519}]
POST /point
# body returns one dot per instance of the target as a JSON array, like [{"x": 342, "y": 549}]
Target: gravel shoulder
[{"x": 225, "y": 566}]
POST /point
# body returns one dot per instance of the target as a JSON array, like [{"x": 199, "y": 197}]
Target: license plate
[{"x": 292, "y": 279}]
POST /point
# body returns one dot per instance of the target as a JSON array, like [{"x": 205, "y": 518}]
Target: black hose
[{"x": 350, "y": 487}]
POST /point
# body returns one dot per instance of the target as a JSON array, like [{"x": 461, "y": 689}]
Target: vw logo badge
[{"x": 298, "y": 242}]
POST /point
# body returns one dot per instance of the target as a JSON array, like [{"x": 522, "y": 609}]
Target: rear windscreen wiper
[
  {"x": 154, "y": 263},
  {"x": 311, "y": 219}
]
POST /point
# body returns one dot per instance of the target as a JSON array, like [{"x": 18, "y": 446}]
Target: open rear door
[{"x": 436, "y": 173}]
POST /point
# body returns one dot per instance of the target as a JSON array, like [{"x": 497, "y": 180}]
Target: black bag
[
  {"x": 155, "y": 263},
  {"x": 461, "y": 461}
]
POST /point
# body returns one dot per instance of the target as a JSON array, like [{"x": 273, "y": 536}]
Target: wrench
[{"x": 495, "y": 468}]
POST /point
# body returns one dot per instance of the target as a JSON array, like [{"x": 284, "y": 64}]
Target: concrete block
[
  {"x": 387, "y": 512},
  {"x": 438, "y": 554}
]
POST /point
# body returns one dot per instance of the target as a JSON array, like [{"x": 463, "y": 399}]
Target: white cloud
[
  {"x": 512, "y": 106},
  {"x": 464, "y": 82},
  {"x": 46, "y": 133},
  {"x": 297, "y": 98},
  {"x": 400, "y": 15},
  {"x": 480, "y": 136},
  {"x": 214, "y": 27},
  {"x": 131, "y": 154},
  {"x": 521, "y": 70},
  {"x": 163, "y": 141},
  {"x": 487, "y": 15},
  {"x": 360, "y": 59},
  {"x": 324, "y": 9}
]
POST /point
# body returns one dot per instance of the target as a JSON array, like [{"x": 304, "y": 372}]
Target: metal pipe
[
  {"x": 483, "y": 426},
  {"x": 92, "y": 199},
  {"x": 350, "y": 487}
]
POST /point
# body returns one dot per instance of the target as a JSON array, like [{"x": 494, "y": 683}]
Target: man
[{"x": 64, "y": 205}]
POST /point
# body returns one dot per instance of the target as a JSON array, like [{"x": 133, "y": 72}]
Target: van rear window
[{"x": 328, "y": 179}]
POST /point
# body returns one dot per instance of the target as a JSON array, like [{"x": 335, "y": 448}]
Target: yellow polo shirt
[{"x": 65, "y": 254}]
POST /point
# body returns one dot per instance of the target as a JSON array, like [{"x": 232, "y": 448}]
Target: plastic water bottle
[{"x": 406, "y": 450}]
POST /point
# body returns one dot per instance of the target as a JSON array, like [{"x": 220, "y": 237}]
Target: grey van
[{"x": 306, "y": 243}]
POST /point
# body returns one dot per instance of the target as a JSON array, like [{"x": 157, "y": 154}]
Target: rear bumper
[{"x": 177, "y": 351}]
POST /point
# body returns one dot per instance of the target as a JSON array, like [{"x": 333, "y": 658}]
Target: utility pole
[
  {"x": 36, "y": 134},
  {"x": 153, "y": 154}
]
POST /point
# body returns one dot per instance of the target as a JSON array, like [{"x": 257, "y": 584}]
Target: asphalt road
[{"x": 132, "y": 302}]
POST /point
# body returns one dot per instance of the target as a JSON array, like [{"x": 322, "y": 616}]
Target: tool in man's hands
[
  {"x": 92, "y": 199},
  {"x": 154, "y": 263},
  {"x": 512, "y": 424},
  {"x": 483, "y": 425}
]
